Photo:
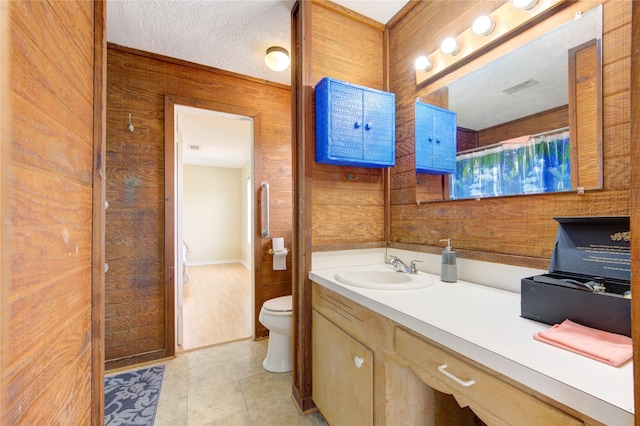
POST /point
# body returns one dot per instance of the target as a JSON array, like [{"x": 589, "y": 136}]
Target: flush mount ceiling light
[
  {"x": 483, "y": 25},
  {"x": 423, "y": 63},
  {"x": 277, "y": 58},
  {"x": 450, "y": 46},
  {"x": 525, "y": 4}
]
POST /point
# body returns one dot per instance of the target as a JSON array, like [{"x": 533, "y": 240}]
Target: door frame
[{"x": 170, "y": 272}]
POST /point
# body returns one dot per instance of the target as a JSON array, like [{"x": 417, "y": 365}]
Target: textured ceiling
[
  {"x": 229, "y": 35},
  {"x": 479, "y": 97}
]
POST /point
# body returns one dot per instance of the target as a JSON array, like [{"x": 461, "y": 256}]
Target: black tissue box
[{"x": 588, "y": 250}]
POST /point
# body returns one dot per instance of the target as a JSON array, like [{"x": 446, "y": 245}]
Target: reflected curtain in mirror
[{"x": 526, "y": 165}]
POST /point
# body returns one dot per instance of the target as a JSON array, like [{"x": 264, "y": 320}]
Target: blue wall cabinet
[
  {"x": 355, "y": 125},
  {"x": 435, "y": 139}
]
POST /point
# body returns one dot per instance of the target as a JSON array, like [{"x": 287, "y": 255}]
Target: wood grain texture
[
  {"x": 99, "y": 187},
  {"x": 351, "y": 50},
  {"x": 49, "y": 373},
  {"x": 497, "y": 230},
  {"x": 217, "y": 305},
  {"x": 333, "y": 212},
  {"x": 500, "y": 227},
  {"x": 635, "y": 198},
  {"x": 541, "y": 122},
  {"x": 585, "y": 111},
  {"x": 137, "y": 220},
  {"x": 5, "y": 151}
]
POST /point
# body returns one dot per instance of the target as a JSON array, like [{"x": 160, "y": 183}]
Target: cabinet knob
[
  {"x": 358, "y": 361},
  {"x": 430, "y": 139},
  {"x": 437, "y": 140},
  {"x": 356, "y": 125},
  {"x": 367, "y": 127}
]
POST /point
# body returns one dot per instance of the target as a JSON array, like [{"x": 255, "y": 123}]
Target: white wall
[{"x": 212, "y": 214}]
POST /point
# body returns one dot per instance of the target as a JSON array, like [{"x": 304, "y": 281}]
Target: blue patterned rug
[{"x": 132, "y": 398}]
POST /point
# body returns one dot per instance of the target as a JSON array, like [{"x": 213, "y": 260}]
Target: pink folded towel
[{"x": 610, "y": 348}]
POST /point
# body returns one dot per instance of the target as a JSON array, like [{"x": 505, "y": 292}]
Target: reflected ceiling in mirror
[
  {"x": 483, "y": 98},
  {"x": 544, "y": 86}
]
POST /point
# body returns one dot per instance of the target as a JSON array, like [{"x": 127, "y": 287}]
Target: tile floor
[{"x": 226, "y": 385}]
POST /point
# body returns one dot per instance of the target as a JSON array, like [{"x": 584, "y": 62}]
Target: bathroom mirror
[{"x": 536, "y": 95}]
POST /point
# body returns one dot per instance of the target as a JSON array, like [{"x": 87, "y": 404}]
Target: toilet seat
[{"x": 278, "y": 306}]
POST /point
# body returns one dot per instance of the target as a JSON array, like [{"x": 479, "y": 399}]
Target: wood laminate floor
[{"x": 216, "y": 305}]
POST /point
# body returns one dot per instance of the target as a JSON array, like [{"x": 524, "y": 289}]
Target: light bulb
[
  {"x": 450, "y": 46},
  {"x": 483, "y": 25},
  {"x": 423, "y": 63},
  {"x": 524, "y": 4},
  {"x": 277, "y": 58}
]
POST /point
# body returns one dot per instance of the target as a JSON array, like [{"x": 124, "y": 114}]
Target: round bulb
[
  {"x": 423, "y": 63},
  {"x": 277, "y": 58},
  {"x": 450, "y": 46},
  {"x": 483, "y": 25},
  {"x": 525, "y": 4}
]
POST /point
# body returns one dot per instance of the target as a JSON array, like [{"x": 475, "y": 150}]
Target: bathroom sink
[{"x": 383, "y": 277}]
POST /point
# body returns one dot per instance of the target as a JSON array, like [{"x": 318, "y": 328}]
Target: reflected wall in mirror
[{"x": 531, "y": 121}]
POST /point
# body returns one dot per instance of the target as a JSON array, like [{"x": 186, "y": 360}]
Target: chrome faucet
[{"x": 400, "y": 266}]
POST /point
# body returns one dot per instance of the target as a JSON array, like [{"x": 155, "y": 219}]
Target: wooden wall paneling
[
  {"x": 137, "y": 251},
  {"x": 348, "y": 47},
  {"x": 541, "y": 122},
  {"x": 635, "y": 197},
  {"x": 329, "y": 40},
  {"x": 168, "y": 336},
  {"x": 468, "y": 227},
  {"x": 49, "y": 279},
  {"x": 585, "y": 111},
  {"x": 466, "y": 139},
  {"x": 5, "y": 153},
  {"x": 302, "y": 156}
]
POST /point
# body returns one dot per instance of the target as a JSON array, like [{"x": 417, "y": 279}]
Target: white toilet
[{"x": 276, "y": 316}]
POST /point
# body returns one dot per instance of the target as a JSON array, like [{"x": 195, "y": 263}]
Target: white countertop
[{"x": 484, "y": 324}]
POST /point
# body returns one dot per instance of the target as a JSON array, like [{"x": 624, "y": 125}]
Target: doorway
[{"x": 214, "y": 213}]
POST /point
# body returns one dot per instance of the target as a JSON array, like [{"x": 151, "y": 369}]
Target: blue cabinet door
[
  {"x": 355, "y": 125},
  {"x": 444, "y": 151},
  {"x": 345, "y": 118},
  {"x": 435, "y": 139},
  {"x": 379, "y": 127}
]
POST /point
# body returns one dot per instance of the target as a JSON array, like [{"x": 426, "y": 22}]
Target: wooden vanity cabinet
[
  {"x": 492, "y": 399},
  {"x": 342, "y": 375},
  {"x": 407, "y": 379}
]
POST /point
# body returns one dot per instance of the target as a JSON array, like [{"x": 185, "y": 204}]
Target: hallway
[{"x": 217, "y": 305}]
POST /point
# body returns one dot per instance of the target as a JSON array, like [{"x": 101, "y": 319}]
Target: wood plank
[
  {"x": 68, "y": 157},
  {"x": 408, "y": 37},
  {"x": 634, "y": 175},
  {"x": 6, "y": 121},
  {"x": 138, "y": 172},
  {"x": 50, "y": 214}
]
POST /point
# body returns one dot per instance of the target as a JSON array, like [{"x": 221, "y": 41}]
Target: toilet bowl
[{"x": 276, "y": 316}]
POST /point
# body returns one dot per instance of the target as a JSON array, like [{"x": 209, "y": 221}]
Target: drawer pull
[
  {"x": 358, "y": 361},
  {"x": 443, "y": 370}
]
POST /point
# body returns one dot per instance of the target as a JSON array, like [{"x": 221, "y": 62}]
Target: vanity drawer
[{"x": 493, "y": 400}]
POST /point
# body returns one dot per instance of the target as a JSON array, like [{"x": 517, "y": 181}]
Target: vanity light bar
[{"x": 505, "y": 19}]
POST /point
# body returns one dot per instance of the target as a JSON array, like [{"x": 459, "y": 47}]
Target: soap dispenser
[{"x": 449, "y": 271}]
